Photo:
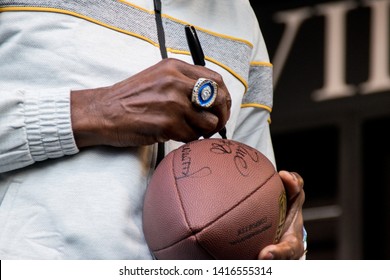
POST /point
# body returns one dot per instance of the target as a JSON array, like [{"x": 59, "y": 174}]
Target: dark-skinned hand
[
  {"x": 151, "y": 106},
  {"x": 290, "y": 246}
]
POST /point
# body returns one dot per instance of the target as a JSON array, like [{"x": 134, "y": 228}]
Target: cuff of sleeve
[
  {"x": 48, "y": 124},
  {"x": 304, "y": 244},
  {"x": 303, "y": 257}
]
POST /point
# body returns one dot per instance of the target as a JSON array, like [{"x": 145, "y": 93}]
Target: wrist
[{"x": 86, "y": 122}]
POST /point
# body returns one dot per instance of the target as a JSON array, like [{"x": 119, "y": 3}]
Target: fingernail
[
  {"x": 294, "y": 177},
  {"x": 269, "y": 256}
]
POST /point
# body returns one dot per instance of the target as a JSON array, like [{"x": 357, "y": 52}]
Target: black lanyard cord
[
  {"x": 163, "y": 50},
  {"x": 160, "y": 28}
]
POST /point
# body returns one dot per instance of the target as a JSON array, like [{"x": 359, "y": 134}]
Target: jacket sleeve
[
  {"x": 253, "y": 124},
  {"x": 34, "y": 126}
]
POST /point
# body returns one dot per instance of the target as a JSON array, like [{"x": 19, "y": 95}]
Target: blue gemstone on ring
[{"x": 206, "y": 94}]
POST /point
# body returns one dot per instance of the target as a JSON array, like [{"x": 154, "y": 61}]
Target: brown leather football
[{"x": 213, "y": 199}]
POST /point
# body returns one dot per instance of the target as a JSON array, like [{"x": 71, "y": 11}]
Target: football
[{"x": 213, "y": 199}]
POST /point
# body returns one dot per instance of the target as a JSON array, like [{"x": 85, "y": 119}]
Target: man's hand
[
  {"x": 290, "y": 246},
  {"x": 151, "y": 106}
]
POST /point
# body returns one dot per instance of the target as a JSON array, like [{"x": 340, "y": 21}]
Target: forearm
[{"x": 34, "y": 126}]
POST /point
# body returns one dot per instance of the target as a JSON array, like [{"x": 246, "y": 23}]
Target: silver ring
[{"x": 204, "y": 93}]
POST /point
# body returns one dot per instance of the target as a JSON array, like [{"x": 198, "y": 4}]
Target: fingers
[
  {"x": 290, "y": 248},
  {"x": 203, "y": 122},
  {"x": 176, "y": 81},
  {"x": 291, "y": 245},
  {"x": 222, "y": 104},
  {"x": 293, "y": 184}
]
